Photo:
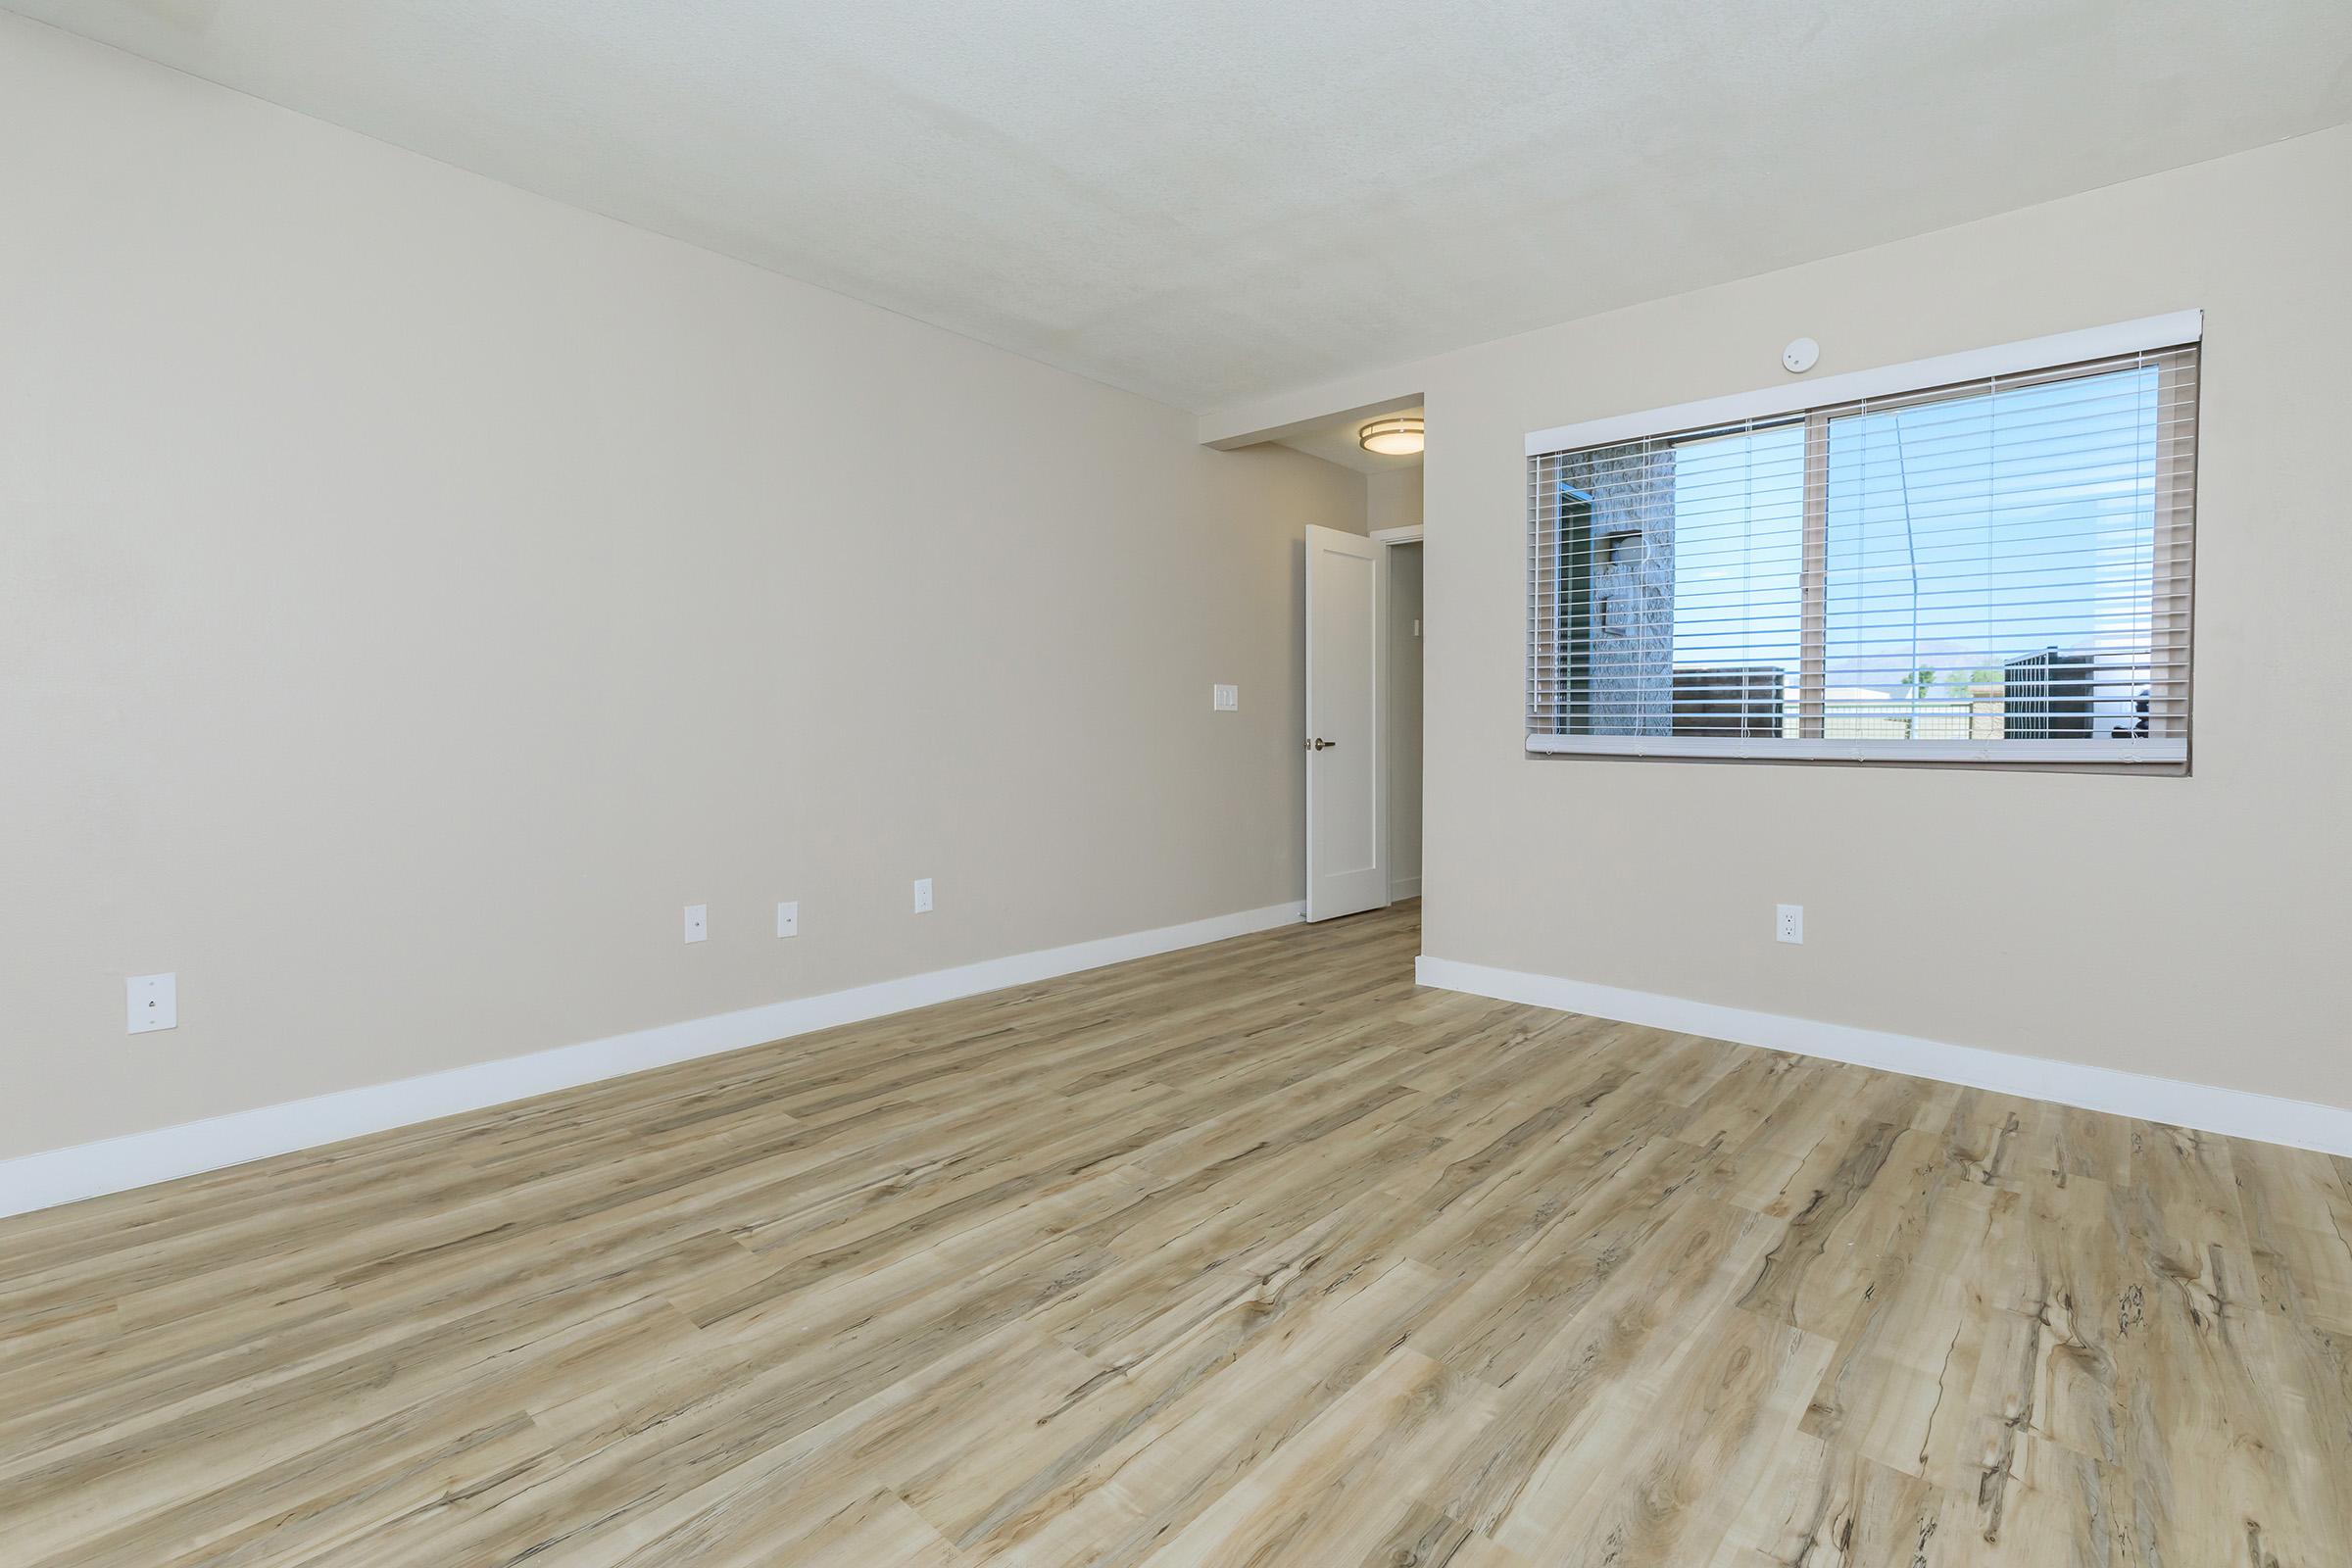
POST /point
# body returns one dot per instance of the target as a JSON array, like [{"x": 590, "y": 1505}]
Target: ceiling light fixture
[{"x": 1399, "y": 436}]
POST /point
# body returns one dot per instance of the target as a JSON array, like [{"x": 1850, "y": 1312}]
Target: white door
[{"x": 1345, "y": 851}]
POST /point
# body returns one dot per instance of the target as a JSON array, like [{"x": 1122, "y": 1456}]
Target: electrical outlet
[
  {"x": 698, "y": 923},
  {"x": 154, "y": 1003},
  {"x": 922, "y": 895},
  {"x": 1790, "y": 924},
  {"x": 788, "y": 918},
  {"x": 1225, "y": 699}
]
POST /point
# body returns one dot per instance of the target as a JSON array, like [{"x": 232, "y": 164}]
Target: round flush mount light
[
  {"x": 1801, "y": 355},
  {"x": 1397, "y": 436}
]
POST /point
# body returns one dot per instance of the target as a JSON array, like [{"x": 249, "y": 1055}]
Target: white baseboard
[
  {"x": 138, "y": 1159},
  {"x": 2236, "y": 1112},
  {"x": 1404, "y": 887}
]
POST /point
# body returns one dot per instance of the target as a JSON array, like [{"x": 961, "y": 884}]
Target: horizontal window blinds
[{"x": 1998, "y": 569}]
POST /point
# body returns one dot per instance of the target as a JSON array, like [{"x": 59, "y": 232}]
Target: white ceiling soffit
[
  {"x": 1209, "y": 201},
  {"x": 1338, "y": 442}
]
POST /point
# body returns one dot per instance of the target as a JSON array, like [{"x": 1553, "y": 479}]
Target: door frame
[{"x": 1387, "y": 539}]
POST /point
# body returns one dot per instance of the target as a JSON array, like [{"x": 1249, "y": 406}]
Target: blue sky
[{"x": 1962, "y": 533}]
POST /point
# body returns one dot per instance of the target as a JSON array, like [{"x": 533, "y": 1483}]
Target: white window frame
[{"x": 2168, "y": 753}]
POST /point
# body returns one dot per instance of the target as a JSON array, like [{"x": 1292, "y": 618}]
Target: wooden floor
[{"x": 1250, "y": 1254}]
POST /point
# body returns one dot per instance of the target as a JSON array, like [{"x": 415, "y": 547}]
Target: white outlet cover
[
  {"x": 1789, "y": 922},
  {"x": 698, "y": 923},
  {"x": 922, "y": 895},
  {"x": 788, "y": 918},
  {"x": 1225, "y": 699},
  {"x": 154, "y": 1003}
]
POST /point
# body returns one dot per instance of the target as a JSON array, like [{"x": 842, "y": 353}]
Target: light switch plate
[
  {"x": 788, "y": 918},
  {"x": 698, "y": 923},
  {"x": 1225, "y": 699},
  {"x": 922, "y": 895},
  {"x": 154, "y": 1003}
]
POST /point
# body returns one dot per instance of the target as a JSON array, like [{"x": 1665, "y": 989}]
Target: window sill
[{"x": 2164, "y": 756}]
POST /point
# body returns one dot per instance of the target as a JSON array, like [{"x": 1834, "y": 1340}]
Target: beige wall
[
  {"x": 2194, "y": 928},
  {"x": 412, "y": 593},
  {"x": 1392, "y": 498}
]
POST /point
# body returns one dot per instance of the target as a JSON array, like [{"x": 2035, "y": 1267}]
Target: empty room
[{"x": 1088, "y": 786}]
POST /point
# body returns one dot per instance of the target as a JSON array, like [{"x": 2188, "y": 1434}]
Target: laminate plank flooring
[{"x": 1254, "y": 1254}]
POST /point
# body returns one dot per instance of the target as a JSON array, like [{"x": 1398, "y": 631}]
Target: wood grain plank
[{"x": 1251, "y": 1254}]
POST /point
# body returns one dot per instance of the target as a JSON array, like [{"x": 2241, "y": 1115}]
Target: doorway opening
[{"x": 1365, "y": 635}]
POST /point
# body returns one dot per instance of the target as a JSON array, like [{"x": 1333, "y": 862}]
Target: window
[{"x": 1940, "y": 562}]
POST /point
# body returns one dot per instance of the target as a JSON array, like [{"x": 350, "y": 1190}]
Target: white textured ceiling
[{"x": 1214, "y": 199}]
